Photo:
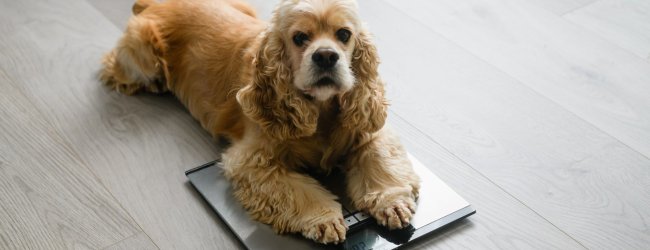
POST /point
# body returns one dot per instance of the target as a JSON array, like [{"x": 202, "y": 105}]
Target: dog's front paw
[
  {"x": 328, "y": 229},
  {"x": 395, "y": 214}
]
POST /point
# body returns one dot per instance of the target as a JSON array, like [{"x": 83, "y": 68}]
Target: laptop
[{"x": 438, "y": 206}]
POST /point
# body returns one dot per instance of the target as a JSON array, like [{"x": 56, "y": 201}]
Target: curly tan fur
[
  {"x": 270, "y": 101},
  {"x": 364, "y": 108},
  {"x": 238, "y": 76}
]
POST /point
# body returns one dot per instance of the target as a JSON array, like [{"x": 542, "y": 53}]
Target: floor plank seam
[
  {"x": 614, "y": 138},
  {"x": 644, "y": 59},
  {"x": 75, "y": 154},
  {"x": 488, "y": 179},
  {"x": 526, "y": 85},
  {"x": 104, "y": 14},
  {"x": 577, "y": 8},
  {"x": 167, "y": 236},
  {"x": 95, "y": 174},
  {"x": 131, "y": 237},
  {"x": 122, "y": 240},
  {"x": 151, "y": 239},
  {"x": 64, "y": 141}
]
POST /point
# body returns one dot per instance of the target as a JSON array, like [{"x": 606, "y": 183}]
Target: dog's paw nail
[
  {"x": 332, "y": 231},
  {"x": 396, "y": 215}
]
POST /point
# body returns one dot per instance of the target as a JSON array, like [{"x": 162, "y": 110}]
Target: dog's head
[
  {"x": 314, "y": 51},
  {"x": 319, "y": 39}
]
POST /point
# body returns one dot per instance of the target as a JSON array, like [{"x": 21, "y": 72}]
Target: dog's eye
[
  {"x": 343, "y": 35},
  {"x": 300, "y": 38}
]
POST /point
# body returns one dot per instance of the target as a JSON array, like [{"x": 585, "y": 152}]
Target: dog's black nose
[{"x": 325, "y": 58}]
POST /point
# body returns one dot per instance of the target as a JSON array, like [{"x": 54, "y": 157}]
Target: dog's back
[{"x": 195, "y": 49}]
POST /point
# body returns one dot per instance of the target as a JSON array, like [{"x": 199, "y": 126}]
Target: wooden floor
[{"x": 536, "y": 111}]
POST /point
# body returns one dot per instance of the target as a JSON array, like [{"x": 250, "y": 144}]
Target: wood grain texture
[
  {"x": 501, "y": 221},
  {"x": 139, "y": 241},
  {"x": 625, "y": 23},
  {"x": 561, "y": 7},
  {"x": 48, "y": 197},
  {"x": 139, "y": 147},
  {"x": 598, "y": 81},
  {"x": 539, "y": 176},
  {"x": 579, "y": 178}
]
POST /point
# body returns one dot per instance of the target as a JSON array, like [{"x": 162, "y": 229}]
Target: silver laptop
[{"x": 438, "y": 205}]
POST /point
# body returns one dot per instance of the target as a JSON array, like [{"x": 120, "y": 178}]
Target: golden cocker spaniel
[{"x": 299, "y": 92}]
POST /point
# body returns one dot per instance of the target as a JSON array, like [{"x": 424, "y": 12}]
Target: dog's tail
[{"x": 140, "y": 5}]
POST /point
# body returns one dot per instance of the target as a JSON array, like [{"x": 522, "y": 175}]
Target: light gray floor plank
[
  {"x": 117, "y": 11},
  {"x": 138, "y": 146},
  {"x": 501, "y": 221},
  {"x": 521, "y": 151},
  {"x": 264, "y": 8},
  {"x": 600, "y": 82},
  {"x": 623, "y": 22},
  {"x": 582, "y": 180},
  {"x": 561, "y": 7},
  {"x": 139, "y": 241},
  {"x": 48, "y": 197}
]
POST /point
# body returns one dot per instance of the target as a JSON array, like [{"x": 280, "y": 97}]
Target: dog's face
[
  {"x": 314, "y": 48},
  {"x": 319, "y": 39}
]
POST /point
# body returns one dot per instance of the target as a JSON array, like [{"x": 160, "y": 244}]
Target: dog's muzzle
[{"x": 325, "y": 58}]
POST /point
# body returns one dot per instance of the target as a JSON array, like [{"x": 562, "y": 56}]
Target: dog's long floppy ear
[
  {"x": 364, "y": 107},
  {"x": 270, "y": 99}
]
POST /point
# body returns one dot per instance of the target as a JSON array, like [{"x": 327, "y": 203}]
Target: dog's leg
[
  {"x": 135, "y": 63},
  {"x": 289, "y": 201},
  {"x": 381, "y": 180}
]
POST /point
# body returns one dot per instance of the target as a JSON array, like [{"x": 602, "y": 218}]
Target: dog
[{"x": 301, "y": 92}]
